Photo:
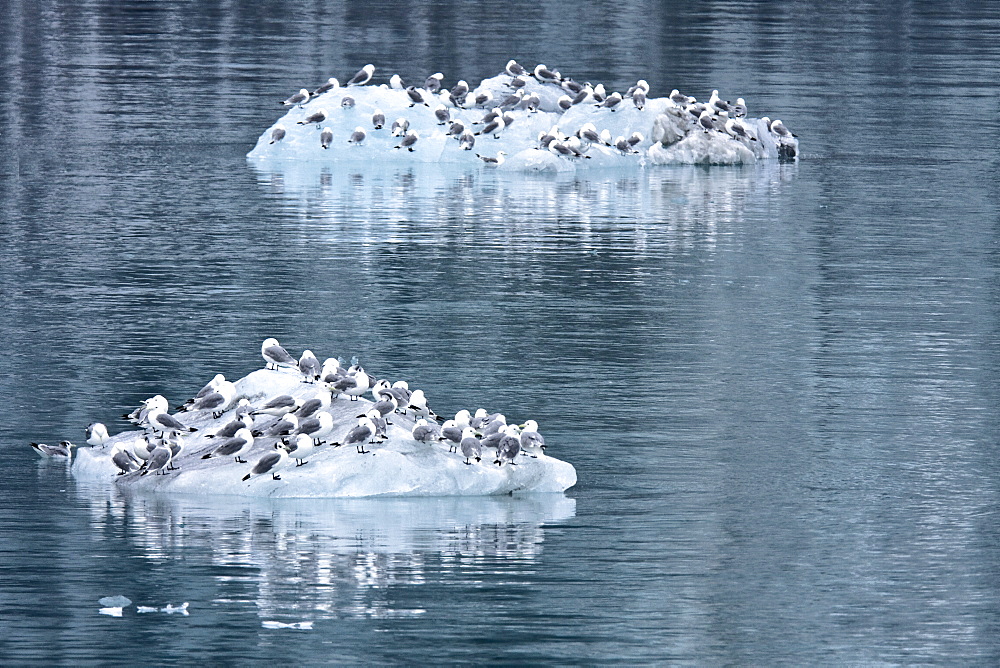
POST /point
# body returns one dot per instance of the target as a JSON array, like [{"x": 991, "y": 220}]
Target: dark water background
[{"x": 779, "y": 384}]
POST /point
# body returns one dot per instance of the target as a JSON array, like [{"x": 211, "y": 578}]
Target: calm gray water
[{"x": 779, "y": 384}]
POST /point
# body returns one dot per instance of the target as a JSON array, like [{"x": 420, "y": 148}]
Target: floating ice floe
[
  {"x": 518, "y": 122},
  {"x": 304, "y": 430},
  {"x": 302, "y": 626}
]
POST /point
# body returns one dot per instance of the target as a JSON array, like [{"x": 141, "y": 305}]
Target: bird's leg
[{"x": 276, "y": 476}]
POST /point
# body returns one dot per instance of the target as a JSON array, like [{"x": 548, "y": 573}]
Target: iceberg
[
  {"x": 339, "y": 126},
  {"x": 397, "y": 466}
]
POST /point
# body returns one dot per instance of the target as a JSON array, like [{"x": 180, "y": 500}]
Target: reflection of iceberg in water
[
  {"x": 388, "y": 200},
  {"x": 327, "y": 558}
]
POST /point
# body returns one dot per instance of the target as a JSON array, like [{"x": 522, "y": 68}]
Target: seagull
[
  {"x": 97, "y": 433},
  {"x": 705, "y": 121},
  {"x": 271, "y": 463},
  {"x": 470, "y": 445},
  {"x": 316, "y": 117},
  {"x": 622, "y": 145},
  {"x": 123, "y": 458},
  {"x": 317, "y": 427},
  {"x": 531, "y": 441},
  {"x": 330, "y": 84},
  {"x": 380, "y": 423},
  {"x": 208, "y": 389},
  {"x": 513, "y": 69},
  {"x": 357, "y": 137},
  {"x": 452, "y": 434},
  {"x": 63, "y": 450},
  {"x": 326, "y": 137},
  {"x": 477, "y": 420},
  {"x": 396, "y": 83},
  {"x": 236, "y": 446},
  {"x": 408, "y": 141},
  {"x": 416, "y": 97},
  {"x": 399, "y": 127},
  {"x": 164, "y": 423},
  {"x": 680, "y": 99},
  {"x": 230, "y": 428},
  {"x": 347, "y": 102},
  {"x": 283, "y": 426},
  {"x": 512, "y": 101},
  {"x": 493, "y": 424},
  {"x": 740, "y": 108},
  {"x": 362, "y": 383},
  {"x": 159, "y": 459},
  {"x": 176, "y": 445},
  {"x": 433, "y": 83},
  {"x": 298, "y": 99},
  {"x": 217, "y": 402},
  {"x": 441, "y": 114},
  {"x": 545, "y": 75},
  {"x": 455, "y": 129},
  {"x": 611, "y": 101},
  {"x": 459, "y": 92},
  {"x": 275, "y": 355},
  {"x": 635, "y": 138},
  {"x": 418, "y": 404},
  {"x": 565, "y": 102},
  {"x": 509, "y": 447},
  {"x": 494, "y": 127},
  {"x": 378, "y": 119},
  {"x": 599, "y": 93},
  {"x": 363, "y": 76},
  {"x": 778, "y": 128},
  {"x": 141, "y": 448},
  {"x": 310, "y": 406},
  {"x": 589, "y": 132},
  {"x": 484, "y": 99},
  {"x": 467, "y": 141},
  {"x": 278, "y": 406},
  {"x": 718, "y": 103},
  {"x": 386, "y": 404},
  {"x": 639, "y": 99},
  {"x": 360, "y": 434},
  {"x": 425, "y": 432},
  {"x": 277, "y": 134},
  {"x": 493, "y": 162},
  {"x": 301, "y": 448}
]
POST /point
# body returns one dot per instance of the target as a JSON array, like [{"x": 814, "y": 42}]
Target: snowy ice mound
[
  {"x": 394, "y": 465},
  {"x": 517, "y": 121}
]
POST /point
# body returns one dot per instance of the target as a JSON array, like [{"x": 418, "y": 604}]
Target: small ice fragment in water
[
  {"x": 304, "y": 626},
  {"x": 145, "y": 608},
  {"x": 111, "y": 611},
  {"x": 171, "y": 609},
  {"x": 115, "y": 602}
]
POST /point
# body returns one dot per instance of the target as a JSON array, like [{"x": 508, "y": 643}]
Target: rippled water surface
[{"x": 779, "y": 384}]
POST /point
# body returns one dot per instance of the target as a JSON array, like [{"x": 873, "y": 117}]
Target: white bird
[
  {"x": 310, "y": 406},
  {"x": 326, "y": 137},
  {"x": 476, "y": 421},
  {"x": 493, "y": 162},
  {"x": 565, "y": 102},
  {"x": 298, "y": 99},
  {"x": 378, "y": 119},
  {"x": 159, "y": 420},
  {"x": 467, "y": 141},
  {"x": 509, "y": 446},
  {"x": 635, "y": 138},
  {"x": 97, "y": 433},
  {"x": 275, "y": 355},
  {"x": 363, "y": 76},
  {"x": 138, "y": 416},
  {"x": 278, "y": 406},
  {"x": 159, "y": 459},
  {"x": 283, "y": 426},
  {"x": 452, "y": 434},
  {"x": 470, "y": 445},
  {"x": 416, "y": 97},
  {"x": 277, "y": 134},
  {"x": 301, "y": 448},
  {"x": 396, "y": 83},
  {"x": 235, "y": 446},
  {"x": 433, "y": 82},
  {"x": 360, "y": 434},
  {"x": 230, "y": 428},
  {"x": 463, "y": 418},
  {"x": 425, "y": 432},
  {"x": 531, "y": 441},
  {"x": 408, "y": 141},
  {"x": 317, "y": 427},
  {"x": 513, "y": 69},
  {"x": 418, "y": 404},
  {"x": 494, "y": 127},
  {"x": 740, "y": 108},
  {"x": 358, "y": 136},
  {"x": 545, "y": 75},
  {"x": 362, "y": 383},
  {"x": 62, "y": 451},
  {"x": 316, "y": 117},
  {"x": 347, "y": 102},
  {"x": 271, "y": 463},
  {"x": 399, "y": 127},
  {"x": 140, "y": 448},
  {"x": 122, "y": 457},
  {"x": 309, "y": 366},
  {"x": 330, "y": 84},
  {"x": 442, "y": 114}
]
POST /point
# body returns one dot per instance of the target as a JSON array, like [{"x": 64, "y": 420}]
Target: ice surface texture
[
  {"x": 397, "y": 467},
  {"x": 671, "y": 132}
]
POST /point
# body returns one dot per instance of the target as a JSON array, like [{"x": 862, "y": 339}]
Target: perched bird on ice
[
  {"x": 97, "y": 433},
  {"x": 363, "y": 76},
  {"x": 275, "y": 355},
  {"x": 298, "y": 99},
  {"x": 271, "y": 463},
  {"x": 236, "y": 446}
]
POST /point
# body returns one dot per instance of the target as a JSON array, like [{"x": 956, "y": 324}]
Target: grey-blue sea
[{"x": 778, "y": 383}]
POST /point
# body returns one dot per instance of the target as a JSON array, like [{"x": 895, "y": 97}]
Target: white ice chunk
[
  {"x": 397, "y": 467},
  {"x": 115, "y": 602},
  {"x": 304, "y": 626},
  {"x": 111, "y": 611},
  {"x": 181, "y": 609}
]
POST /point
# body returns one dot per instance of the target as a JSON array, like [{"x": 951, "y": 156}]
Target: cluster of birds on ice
[
  {"x": 716, "y": 116},
  {"x": 295, "y": 427}
]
